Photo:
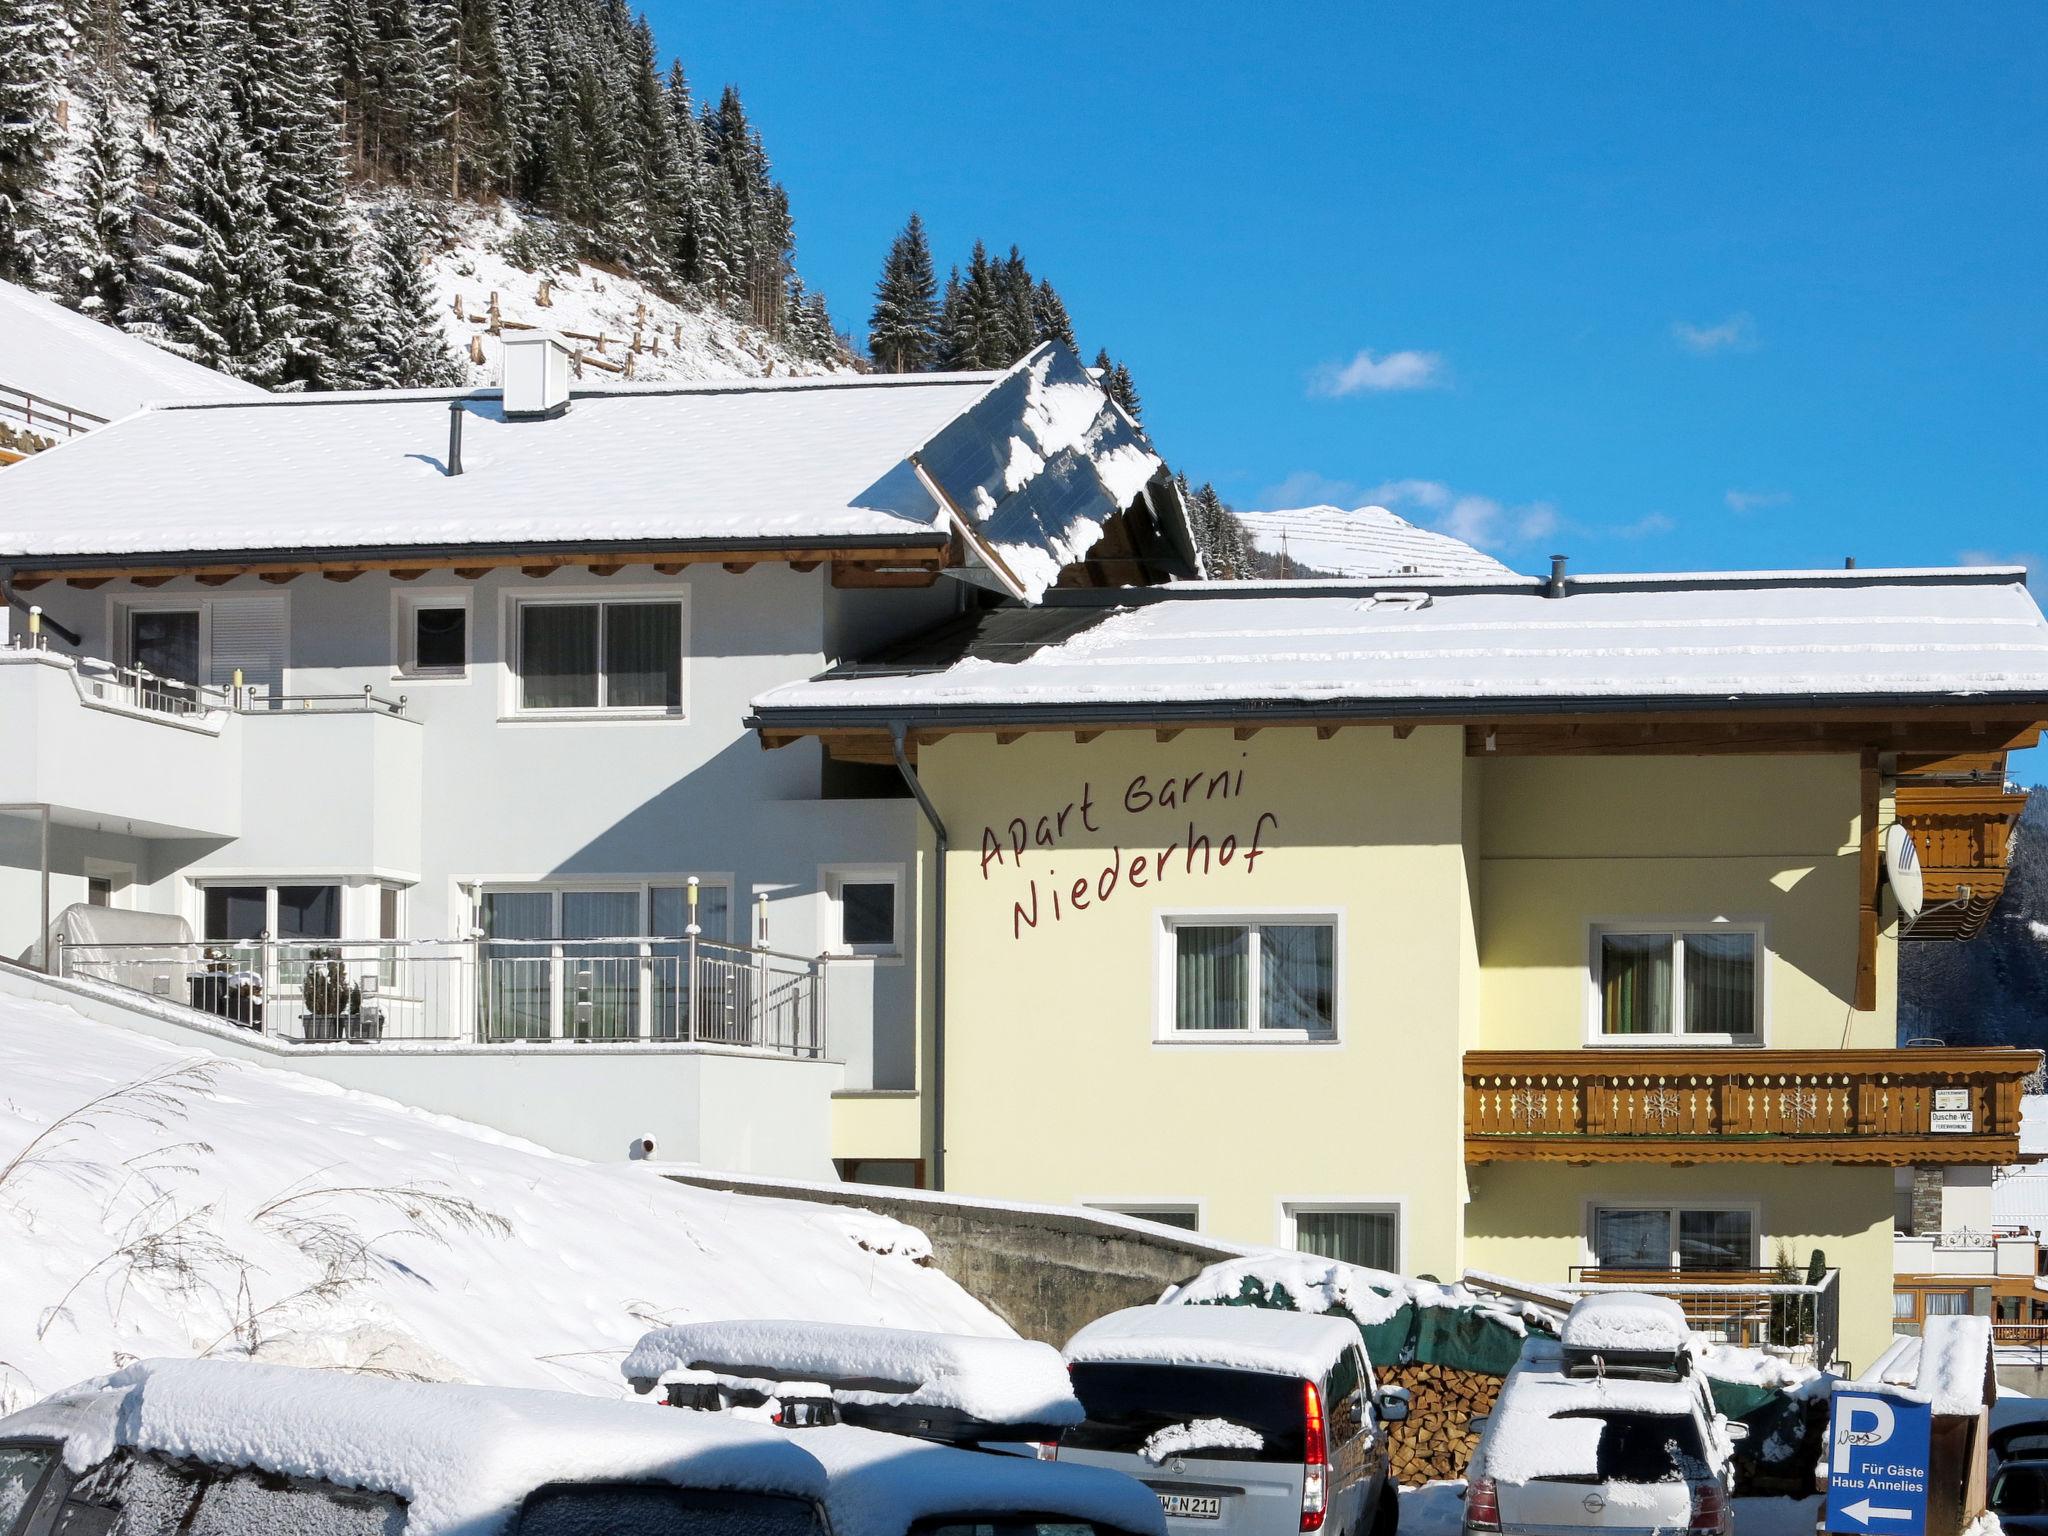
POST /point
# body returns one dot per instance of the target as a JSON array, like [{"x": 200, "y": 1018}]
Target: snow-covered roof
[
  {"x": 1444, "y": 647},
  {"x": 1235, "y": 1338},
  {"x": 462, "y": 1457},
  {"x": 881, "y": 1484},
  {"x": 997, "y": 1381},
  {"x": 1033, "y": 461},
  {"x": 1366, "y": 542},
  {"x": 60, "y": 355},
  {"x": 1626, "y": 1320}
]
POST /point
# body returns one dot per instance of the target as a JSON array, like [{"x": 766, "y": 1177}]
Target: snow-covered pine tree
[
  {"x": 33, "y": 36},
  {"x": 1116, "y": 378},
  {"x": 97, "y": 245},
  {"x": 903, "y": 332},
  {"x": 480, "y": 134},
  {"x": 401, "y": 345},
  {"x": 210, "y": 284},
  {"x": 1013, "y": 295},
  {"x": 1049, "y": 315}
]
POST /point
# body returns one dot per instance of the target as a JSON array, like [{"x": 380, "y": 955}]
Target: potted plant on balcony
[{"x": 334, "y": 1004}]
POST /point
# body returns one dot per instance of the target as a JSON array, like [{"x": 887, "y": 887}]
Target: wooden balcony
[
  {"x": 1685, "y": 1106},
  {"x": 1963, "y": 833}
]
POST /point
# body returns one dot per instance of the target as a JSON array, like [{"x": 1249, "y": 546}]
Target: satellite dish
[{"x": 1902, "y": 869}]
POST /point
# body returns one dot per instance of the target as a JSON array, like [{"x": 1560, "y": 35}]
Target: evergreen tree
[
  {"x": 903, "y": 333},
  {"x": 33, "y": 36},
  {"x": 1049, "y": 315},
  {"x": 400, "y": 338},
  {"x": 212, "y": 282},
  {"x": 1116, "y": 378},
  {"x": 98, "y": 242}
]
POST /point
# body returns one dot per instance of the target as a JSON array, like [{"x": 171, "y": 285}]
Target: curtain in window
[
  {"x": 602, "y": 980},
  {"x": 558, "y": 655},
  {"x": 1720, "y": 983},
  {"x": 1211, "y": 969},
  {"x": 1367, "y": 1238},
  {"x": 518, "y": 991},
  {"x": 1297, "y": 969},
  {"x": 1635, "y": 984},
  {"x": 1715, "y": 1240},
  {"x": 643, "y": 655},
  {"x": 1624, "y": 1239}
]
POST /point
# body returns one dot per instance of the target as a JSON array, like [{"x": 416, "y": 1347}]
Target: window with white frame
[
  {"x": 1665, "y": 1237},
  {"x": 234, "y": 912},
  {"x": 1698, "y": 983},
  {"x": 1269, "y": 976},
  {"x": 431, "y": 634},
  {"x": 1364, "y": 1234},
  {"x": 582, "y": 655},
  {"x": 865, "y": 910},
  {"x": 209, "y": 639}
]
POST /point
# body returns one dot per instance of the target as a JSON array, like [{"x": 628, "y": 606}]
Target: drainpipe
[{"x": 897, "y": 732}]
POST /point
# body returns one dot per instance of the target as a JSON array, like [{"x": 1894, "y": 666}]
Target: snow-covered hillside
[
  {"x": 154, "y": 1201},
  {"x": 502, "y": 251},
  {"x": 1361, "y": 542}
]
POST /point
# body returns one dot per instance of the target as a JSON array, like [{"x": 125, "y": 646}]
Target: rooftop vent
[{"x": 535, "y": 375}]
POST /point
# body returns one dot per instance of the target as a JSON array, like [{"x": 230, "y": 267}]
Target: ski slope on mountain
[
  {"x": 675, "y": 341},
  {"x": 210, "y": 1208}
]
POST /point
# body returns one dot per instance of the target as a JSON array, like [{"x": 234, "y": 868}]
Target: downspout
[{"x": 897, "y": 732}]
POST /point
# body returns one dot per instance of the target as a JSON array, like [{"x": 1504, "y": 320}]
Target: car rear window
[
  {"x": 1182, "y": 1406},
  {"x": 657, "y": 1509},
  {"x": 2020, "y": 1490},
  {"x": 1011, "y": 1525},
  {"x": 1646, "y": 1447},
  {"x": 21, "y": 1468}
]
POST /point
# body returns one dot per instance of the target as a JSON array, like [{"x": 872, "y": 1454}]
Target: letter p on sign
[{"x": 1850, "y": 1429}]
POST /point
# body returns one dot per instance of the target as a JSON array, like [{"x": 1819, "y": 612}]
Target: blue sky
[{"x": 1658, "y": 287}]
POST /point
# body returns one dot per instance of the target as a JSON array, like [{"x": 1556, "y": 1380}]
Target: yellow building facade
[{"x": 1479, "y": 996}]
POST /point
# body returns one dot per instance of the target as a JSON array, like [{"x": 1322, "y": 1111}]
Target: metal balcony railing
[
  {"x": 1755, "y": 1308},
  {"x": 618, "y": 991}
]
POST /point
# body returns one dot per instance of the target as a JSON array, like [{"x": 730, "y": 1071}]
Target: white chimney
[{"x": 535, "y": 374}]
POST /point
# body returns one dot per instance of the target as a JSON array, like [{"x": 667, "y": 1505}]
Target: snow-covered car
[
  {"x": 1239, "y": 1419},
  {"x": 232, "y": 1448},
  {"x": 910, "y": 1426},
  {"x": 1611, "y": 1427}
]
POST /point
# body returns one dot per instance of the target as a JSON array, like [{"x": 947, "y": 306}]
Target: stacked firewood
[{"x": 1438, "y": 1438}]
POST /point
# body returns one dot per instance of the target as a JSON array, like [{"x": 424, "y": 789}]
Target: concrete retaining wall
[{"x": 1044, "y": 1270}]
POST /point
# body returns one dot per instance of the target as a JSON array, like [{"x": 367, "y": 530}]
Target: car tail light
[
  {"x": 1482, "y": 1505},
  {"x": 1315, "y": 1472},
  {"x": 1709, "y": 1505}
]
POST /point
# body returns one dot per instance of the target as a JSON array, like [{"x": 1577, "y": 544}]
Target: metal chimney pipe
[
  {"x": 455, "y": 414},
  {"x": 1557, "y": 579}
]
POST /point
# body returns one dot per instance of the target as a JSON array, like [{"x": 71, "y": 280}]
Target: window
[
  {"x": 1369, "y": 1236},
  {"x": 602, "y": 656},
  {"x": 863, "y": 911},
  {"x": 1187, "y": 1217},
  {"x": 657, "y": 1509},
  {"x": 99, "y": 890},
  {"x": 1948, "y": 1303},
  {"x": 1903, "y": 1309},
  {"x": 591, "y": 962},
  {"x": 1272, "y": 977},
  {"x": 1695, "y": 983},
  {"x": 440, "y": 641},
  {"x": 165, "y": 642},
  {"x": 296, "y": 912},
  {"x": 387, "y": 912},
  {"x": 1668, "y": 1237},
  {"x": 891, "y": 1172},
  {"x": 21, "y": 1472}
]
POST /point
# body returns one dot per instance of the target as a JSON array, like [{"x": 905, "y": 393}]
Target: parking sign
[{"x": 1877, "y": 1463}]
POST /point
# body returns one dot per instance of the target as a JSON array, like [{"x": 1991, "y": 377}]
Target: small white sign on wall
[{"x": 1952, "y": 1112}]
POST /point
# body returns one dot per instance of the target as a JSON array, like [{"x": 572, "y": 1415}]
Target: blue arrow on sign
[{"x": 1878, "y": 1445}]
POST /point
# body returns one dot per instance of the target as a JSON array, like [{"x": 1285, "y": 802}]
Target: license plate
[{"x": 1191, "y": 1506}]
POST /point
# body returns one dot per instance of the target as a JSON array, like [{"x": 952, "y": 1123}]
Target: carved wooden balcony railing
[
  {"x": 1681, "y": 1106},
  {"x": 1963, "y": 833}
]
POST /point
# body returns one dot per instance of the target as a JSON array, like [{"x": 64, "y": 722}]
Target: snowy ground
[
  {"x": 1435, "y": 1509},
  {"x": 592, "y": 302},
  {"x": 210, "y": 1208}
]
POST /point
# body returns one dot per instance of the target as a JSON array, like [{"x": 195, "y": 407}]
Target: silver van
[{"x": 1240, "y": 1419}]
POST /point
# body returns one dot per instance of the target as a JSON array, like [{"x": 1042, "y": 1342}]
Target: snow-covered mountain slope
[
  {"x": 205, "y": 1207},
  {"x": 1362, "y": 542},
  {"x": 500, "y": 250}
]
